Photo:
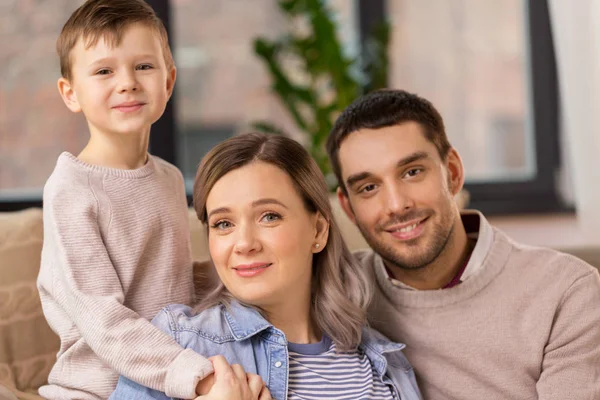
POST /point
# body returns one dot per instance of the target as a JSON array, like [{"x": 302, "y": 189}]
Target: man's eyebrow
[
  {"x": 416, "y": 156},
  {"x": 352, "y": 179}
]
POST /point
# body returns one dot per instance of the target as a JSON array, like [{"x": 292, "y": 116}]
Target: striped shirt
[{"x": 318, "y": 371}]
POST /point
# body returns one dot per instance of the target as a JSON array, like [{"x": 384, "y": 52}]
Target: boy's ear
[
  {"x": 171, "y": 78},
  {"x": 68, "y": 95}
]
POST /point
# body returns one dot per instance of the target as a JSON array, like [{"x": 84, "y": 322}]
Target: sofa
[{"x": 27, "y": 344}]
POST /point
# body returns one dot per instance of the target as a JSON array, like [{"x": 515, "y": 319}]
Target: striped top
[{"x": 319, "y": 371}]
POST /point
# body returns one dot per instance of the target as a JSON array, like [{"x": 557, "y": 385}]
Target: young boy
[{"x": 116, "y": 239}]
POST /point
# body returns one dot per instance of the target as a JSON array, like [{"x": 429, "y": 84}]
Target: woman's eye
[
  {"x": 222, "y": 225},
  {"x": 271, "y": 217}
]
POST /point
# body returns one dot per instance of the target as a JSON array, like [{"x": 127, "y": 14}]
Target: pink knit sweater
[
  {"x": 526, "y": 325},
  {"x": 116, "y": 250}
]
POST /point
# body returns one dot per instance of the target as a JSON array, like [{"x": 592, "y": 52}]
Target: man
[{"x": 483, "y": 317}]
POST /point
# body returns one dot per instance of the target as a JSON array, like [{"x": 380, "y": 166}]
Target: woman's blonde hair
[{"x": 340, "y": 291}]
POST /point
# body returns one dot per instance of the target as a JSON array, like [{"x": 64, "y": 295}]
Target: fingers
[
  {"x": 205, "y": 385},
  {"x": 220, "y": 364},
  {"x": 256, "y": 384},
  {"x": 239, "y": 372},
  {"x": 223, "y": 371},
  {"x": 232, "y": 382},
  {"x": 265, "y": 394}
]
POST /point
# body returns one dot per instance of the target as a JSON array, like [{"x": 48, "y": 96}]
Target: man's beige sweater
[
  {"x": 116, "y": 250},
  {"x": 526, "y": 325}
]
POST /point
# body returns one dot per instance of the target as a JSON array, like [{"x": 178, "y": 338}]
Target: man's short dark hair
[{"x": 383, "y": 108}]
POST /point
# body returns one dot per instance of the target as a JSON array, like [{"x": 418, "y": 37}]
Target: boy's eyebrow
[
  {"x": 260, "y": 202},
  {"x": 418, "y": 155},
  {"x": 108, "y": 59},
  {"x": 101, "y": 61}
]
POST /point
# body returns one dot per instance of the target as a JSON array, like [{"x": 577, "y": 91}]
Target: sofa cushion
[{"x": 28, "y": 346}]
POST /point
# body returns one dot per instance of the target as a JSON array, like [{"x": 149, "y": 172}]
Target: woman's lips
[{"x": 251, "y": 270}]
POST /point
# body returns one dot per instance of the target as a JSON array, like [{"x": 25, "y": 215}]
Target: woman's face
[{"x": 261, "y": 236}]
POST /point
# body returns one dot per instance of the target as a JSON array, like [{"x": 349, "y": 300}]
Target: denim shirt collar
[
  {"x": 376, "y": 347},
  {"x": 244, "y": 322}
]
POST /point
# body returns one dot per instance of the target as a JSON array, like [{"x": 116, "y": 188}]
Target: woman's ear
[{"x": 321, "y": 233}]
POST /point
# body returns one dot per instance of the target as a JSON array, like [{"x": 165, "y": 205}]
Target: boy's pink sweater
[{"x": 116, "y": 250}]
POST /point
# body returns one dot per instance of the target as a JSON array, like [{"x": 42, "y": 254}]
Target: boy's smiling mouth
[{"x": 129, "y": 106}]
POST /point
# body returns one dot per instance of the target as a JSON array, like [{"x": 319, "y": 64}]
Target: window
[
  {"x": 35, "y": 125},
  {"x": 488, "y": 66},
  {"x": 222, "y": 85}
]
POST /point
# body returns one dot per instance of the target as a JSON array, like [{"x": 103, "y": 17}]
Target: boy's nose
[{"x": 127, "y": 82}]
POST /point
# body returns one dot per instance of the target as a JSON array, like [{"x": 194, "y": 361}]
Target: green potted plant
[{"x": 332, "y": 79}]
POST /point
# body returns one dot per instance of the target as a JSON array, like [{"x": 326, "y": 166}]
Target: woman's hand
[{"x": 232, "y": 383}]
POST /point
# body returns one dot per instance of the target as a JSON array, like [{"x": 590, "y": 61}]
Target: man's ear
[
  {"x": 68, "y": 94},
  {"x": 456, "y": 171},
  {"x": 345, "y": 204},
  {"x": 171, "y": 78}
]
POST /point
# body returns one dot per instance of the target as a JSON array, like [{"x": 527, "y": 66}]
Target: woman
[{"x": 291, "y": 302}]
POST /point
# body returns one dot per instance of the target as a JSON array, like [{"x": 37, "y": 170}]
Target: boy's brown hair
[{"x": 107, "y": 19}]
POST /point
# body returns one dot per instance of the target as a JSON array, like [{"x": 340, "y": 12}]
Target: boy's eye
[
  {"x": 271, "y": 217},
  {"x": 103, "y": 72},
  {"x": 143, "y": 67}
]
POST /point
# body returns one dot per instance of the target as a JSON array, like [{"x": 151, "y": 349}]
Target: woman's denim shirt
[{"x": 244, "y": 337}]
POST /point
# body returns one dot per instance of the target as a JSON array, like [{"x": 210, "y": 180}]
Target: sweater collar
[{"x": 489, "y": 256}]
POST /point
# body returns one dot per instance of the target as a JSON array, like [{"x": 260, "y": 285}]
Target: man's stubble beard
[{"x": 440, "y": 237}]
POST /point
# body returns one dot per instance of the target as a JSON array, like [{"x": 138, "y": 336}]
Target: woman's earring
[{"x": 317, "y": 245}]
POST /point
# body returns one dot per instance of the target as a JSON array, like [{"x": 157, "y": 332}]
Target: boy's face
[{"x": 122, "y": 89}]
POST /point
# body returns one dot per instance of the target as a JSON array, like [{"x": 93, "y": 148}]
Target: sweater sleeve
[
  {"x": 571, "y": 364},
  {"x": 92, "y": 297}
]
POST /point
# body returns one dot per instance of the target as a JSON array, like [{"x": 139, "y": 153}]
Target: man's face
[{"x": 400, "y": 192}]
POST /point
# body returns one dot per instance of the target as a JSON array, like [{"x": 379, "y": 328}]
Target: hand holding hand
[{"x": 232, "y": 383}]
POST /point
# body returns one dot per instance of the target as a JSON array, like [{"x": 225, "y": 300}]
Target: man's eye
[
  {"x": 271, "y": 217},
  {"x": 414, "y": 172},
  {"x": 368, "y": 188}
]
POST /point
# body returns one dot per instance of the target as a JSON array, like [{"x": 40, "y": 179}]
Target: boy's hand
[{"x": 232, "y": 383}]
